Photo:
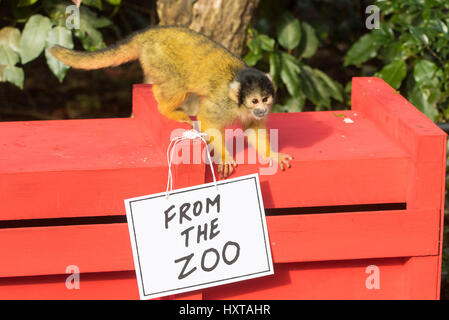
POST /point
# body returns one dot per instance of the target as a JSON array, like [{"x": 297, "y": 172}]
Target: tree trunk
[{"x": 225, "y": 21}]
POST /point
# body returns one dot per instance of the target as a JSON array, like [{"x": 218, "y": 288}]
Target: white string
[{"x": 191, "y": 134}]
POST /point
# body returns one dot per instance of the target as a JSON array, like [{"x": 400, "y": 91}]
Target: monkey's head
[{"x": 252, "y": 89}]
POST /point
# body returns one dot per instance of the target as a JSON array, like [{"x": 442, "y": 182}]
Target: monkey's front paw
[
  {"x": 282, "y": 159},
  {"x": 226, "y": 168}
]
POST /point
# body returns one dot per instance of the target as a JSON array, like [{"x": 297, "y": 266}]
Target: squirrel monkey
[{"x": 193, "y": 76}]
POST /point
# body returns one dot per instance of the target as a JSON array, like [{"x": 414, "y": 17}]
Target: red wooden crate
[{"x": 365, "y": 193}]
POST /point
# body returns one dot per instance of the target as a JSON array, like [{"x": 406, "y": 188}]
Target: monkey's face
[
  {"x": 253, "y": 90},
  {"x": 259, "y": 104}
]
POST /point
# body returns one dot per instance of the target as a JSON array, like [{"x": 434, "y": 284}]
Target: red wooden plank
[
  {"x": 49, "y": 250},
  {"x": 335, "y": 163},
  {"x": 399, "y": 278},
  {"x": 80, "y": 193},
  {"x": 76, "y": 168},
  {"x": 332, "y": 182},
  {"x": 100, "y": 248},
  {"x": 354, "y": 235},
  {"x": 422, "y": 139},
  {"x": 104, "y": 286}
]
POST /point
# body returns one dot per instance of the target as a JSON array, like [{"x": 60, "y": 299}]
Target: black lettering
[
  {"x": 197, "y": 208},
  {"x": 216, "y": 201},
  {"x": 213, "y": 226},
  {"x": 201, "y": 232},
  {"x": 237, "y": 252},
  {"x": 167, "y": 218},
  {"x": 204, "y": 258},
  {"x": 186, "y": 233},
  {"x": 182, "y": 212},
  {"x": 182, "y": 275}
]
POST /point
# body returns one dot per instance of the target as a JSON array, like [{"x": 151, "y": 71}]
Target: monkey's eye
[
  {"x": 255, "y": 101},
  {"x": 265, "y": 99}
]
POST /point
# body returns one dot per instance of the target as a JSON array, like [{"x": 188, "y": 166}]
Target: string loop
[{"x": 191, "y": 134}]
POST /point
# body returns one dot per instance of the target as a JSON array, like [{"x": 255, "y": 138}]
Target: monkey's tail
[{"x": 115, "y": 55}]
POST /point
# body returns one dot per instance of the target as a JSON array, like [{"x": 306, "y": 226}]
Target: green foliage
[
  {"x": 45, "y": 26},
  {"x": 286, "y": 56},
  {"x": 412, "y": 46}
]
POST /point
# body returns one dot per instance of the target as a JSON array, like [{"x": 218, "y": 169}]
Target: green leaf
[
  {"x": 252, "y": 58},
  {"x": 334, "y": 88},
  {"x": 289, "y": 31},
  {"x": 425, "y": 73},
  {"x": 114, "y": 2},
  {"x": 289, "y": 73},
  {"x": 63, "y": 37},
  {"x": 295, "y": 104},
  {"x": 90, "y": 37},
  {"x": 393, "y": 51},
  {"x": 101, "y": 22},
  {"x": 347, "y": 92},
  {"x": 93, "y": 3},
  {"x": 420, "y": 99},
  {"x": 26, "y": 3},
  {"x": 33, "y": 37},
  {"x": 7, "y": 56},
  {"x": 275, "y": 67},
  {"x": 10, "y": 37},
  {"x": 12, "y": 74},
  {"x": 254, "y": 45},
  {"x": 314, "y": 88},
  {"x": 419, "y": 35},
  {"x": 261, "y": 42},
  {"x": 438, "y": 26},
  {"x": 309, "y": 41},
  {"x": 266, "y": 43},
  {"x": 363, "y": 50},
  {"x": 393, "y": 73}
]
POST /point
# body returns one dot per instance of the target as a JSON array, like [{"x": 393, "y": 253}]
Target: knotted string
[{"x": 191, "y": 134}]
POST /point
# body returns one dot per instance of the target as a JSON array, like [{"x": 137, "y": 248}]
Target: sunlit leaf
[
  {"x": 289, "y": 73},
  {"x": 10, "y": 37},
  {"x": 94, "y": 3},
  {"x": 425, "y": 72},
  {"x": 63, "y": 37},
  {"x": 33, "y": 38},
  {"x": 26, "y": 3},
  {"x": 393, "y": 73},
  {"x": 363, "y": 50},
  {"x": 275, "y": 67},
  {"x": 12, "y": 74},
  {"x": 7, "y": 56},
  {"x": 252, "y": 58},
  {"x": 309, "y": 41},
  {"x": 288, "y": 31},
  {"x": 114, "y": 2},
  {"x": 334, "y": 88}
]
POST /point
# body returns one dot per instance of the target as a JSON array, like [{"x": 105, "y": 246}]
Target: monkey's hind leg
[{"x": 169, "y": 104}]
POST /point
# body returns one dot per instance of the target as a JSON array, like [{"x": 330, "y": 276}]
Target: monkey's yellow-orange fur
[
  {"x": 176, "y": 60},
  {"x": 191, "y": 75}
]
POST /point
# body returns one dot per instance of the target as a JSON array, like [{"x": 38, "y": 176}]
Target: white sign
[{"x": 199, "y": 237}]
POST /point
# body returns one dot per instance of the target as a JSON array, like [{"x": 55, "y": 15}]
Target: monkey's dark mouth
[{"x": 260, "y": 113}]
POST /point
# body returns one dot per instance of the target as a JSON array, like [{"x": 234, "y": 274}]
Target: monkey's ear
[
  {"x": 269, "y": 77},
  {"x": 234, "y": 89}
]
